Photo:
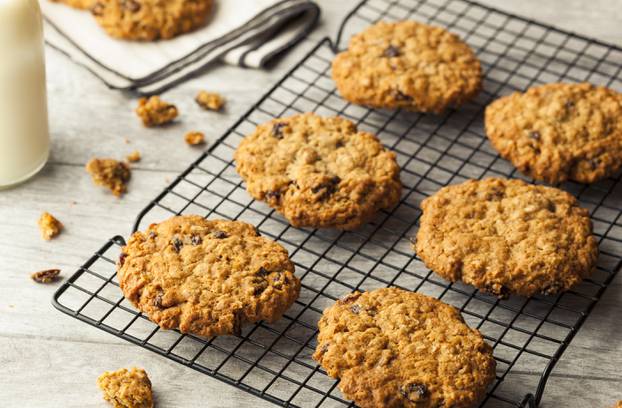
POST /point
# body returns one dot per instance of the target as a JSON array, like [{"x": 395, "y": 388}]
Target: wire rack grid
[{"x": 273, "y": 361}]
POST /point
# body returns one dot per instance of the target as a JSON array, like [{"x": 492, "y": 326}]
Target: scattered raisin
[
  {"x": 260, "y": 286},
  {"x": 534, "y": 135},
  {"x": 122, "y": 259},
  {"x": 277, "y": 130},
  {"x": 594, "y": 163},
  {"x": 97, "y": 9},
  {"x": 237, "y": 323},
  {"x": 152, "y": 235},
  {"x": 262, "y": 272},
  {"x": 130, "y": 5},
  {"x": 273, "y": 195},
  {"x": 324, "y": 348},
  {"x": 47, "y": 276},
  {"x": 401, "y": 96},
  {"x": 391, "y": 52},
  {"x": 350, "y": 297},
  {"x": 553, "y": 289},
  {"x": 414, "y": 392},
  {"x": 339, "y": 144},
  {"x": 327, "y": 188},
  {"x": 196, "y": 240},
  {"x": 220, "y": 234},
  {"x": 500, "y": 291},
  {"x": 569, "y": 105},
  {"x": 551, "y": 206},
  {"x": 177, "y": 244},
  {"x": 157, "y": 301}
]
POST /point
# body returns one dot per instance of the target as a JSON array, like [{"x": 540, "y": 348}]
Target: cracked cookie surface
[
  {"x": 206, "y": 277},
  {"x": 507, "y": 236},
  {"x": 393, "y": 348},
  {"x": 407, "y": 65},
  {"x": 150, "y": 20},
  {"x": 319, "y": 172},
  {"x": 559, "y": 132},
  {"x": 110, "y": 173},
  {"x": 126, "y": 388}
]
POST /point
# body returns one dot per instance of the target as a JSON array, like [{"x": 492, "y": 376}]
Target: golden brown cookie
[
  {"x": 126, "y": 388},
  {"x": 154, "y": 111},
  {"x": 319, "y": 172},
  {"x": 559, "y": 132},
  {"x": 392, "y": 348},
  {"x": 80, "y": 4},
  {"x": 110, "y": 173},
  {"x": 507, "y": 236},
  {"x": 210, "y": 101},
  {"x": 407, "y": 65},
  {"x": 49, "y": 226},
  {"x": 206, "y": 277},
  {"x": 149, "y": 20}
]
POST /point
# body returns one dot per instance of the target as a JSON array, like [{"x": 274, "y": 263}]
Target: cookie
[
  {"x": 559, "y": 132},
  {"x": 206, "y": 277},
  {"x": 195, "y": 138},
  {"x": 407, "y": 65},
  {"x": 210, "y": 101},
  {"x": 150, "y": 20},
  {"x": 133, "y": 157},
  {"x": 126, "y": 388},
  {"x": 49, "y": 226},
  {"x": 319, "y": 172},
  {"x": 154, "y": 111},
  {"x": 80, "y": 4},
  {"x": 507, "y": 236},
  {"x": 392, "y": 348},
  {"x": 110, "y": 173}
]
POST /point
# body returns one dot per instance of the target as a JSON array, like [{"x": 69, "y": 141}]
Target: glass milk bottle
[{"x": 24, "y": 136}]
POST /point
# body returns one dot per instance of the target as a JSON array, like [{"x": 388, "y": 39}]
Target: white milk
[{"x": 24, "y": 137}]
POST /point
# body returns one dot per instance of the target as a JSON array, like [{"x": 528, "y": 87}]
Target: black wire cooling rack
[{"x": 273, "y": 361}]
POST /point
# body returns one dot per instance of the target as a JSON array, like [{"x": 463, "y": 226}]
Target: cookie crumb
[
  {"x": 126, "y": 388},
  {"x": 110, "y": 173},
  {"x": 50, "y": 227},
  {"x": 210, "y": 100},
  {"x": 195, "y": 138},
  {"x": 134, "y": 157},
  {"x": 155, "y": 112},
  {"x": 126, "y": 140},
  {"x": 46, "y": 276}
]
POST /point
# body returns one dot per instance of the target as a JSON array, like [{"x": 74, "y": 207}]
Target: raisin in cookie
[
  {"x": 80, "y": 4},
  {"x": 126, "y": 388},
  {"x": 150, "y": 20},
  {"x": 393, "y": 348},
  {"x": 206, "y": 277},
  {"x": 318, "y": 171},
  {"x": 507, "y": 236},
  {"x": 559, "y": 132},
  {"x": 407, "y": 65}
]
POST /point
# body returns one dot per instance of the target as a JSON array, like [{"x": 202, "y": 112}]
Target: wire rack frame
[{"x": 273, "y": 361}]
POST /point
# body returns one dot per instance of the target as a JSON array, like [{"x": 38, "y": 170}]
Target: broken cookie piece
[
  {"x": 134, "y": 157},
  {"x": 155, "y": 112},
  {"x": 210, "y": 100},
  {"x": 126, "y": 388},
  {"x": 50, "y": 227},
  {"x": 47, "y": 276},
  {"x": 195, "y": 138},
  {"x": 110, "y": 173}
]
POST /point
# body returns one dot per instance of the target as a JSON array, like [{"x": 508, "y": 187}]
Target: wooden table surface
[{"x": 51, "y": 360}]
